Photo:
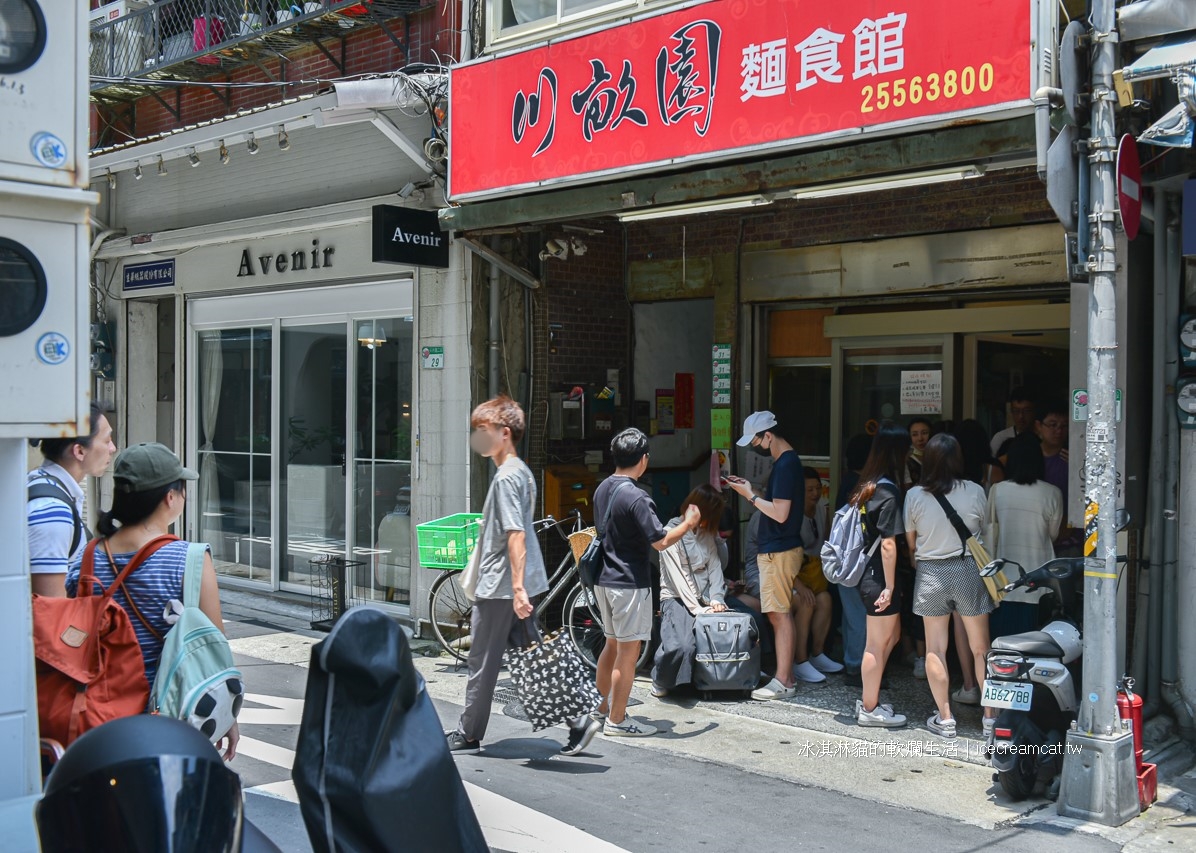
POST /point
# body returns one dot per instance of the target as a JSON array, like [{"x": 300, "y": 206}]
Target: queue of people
[{"x": 921, "y": 490}]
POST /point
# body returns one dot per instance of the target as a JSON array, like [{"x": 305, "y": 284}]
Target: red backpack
[{"x": 89, "y": 664}]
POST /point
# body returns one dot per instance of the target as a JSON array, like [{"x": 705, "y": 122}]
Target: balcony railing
[{"x": 134, "y": 42}]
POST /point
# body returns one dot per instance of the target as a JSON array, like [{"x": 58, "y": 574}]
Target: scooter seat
[{"x": 1029, "y": 643}]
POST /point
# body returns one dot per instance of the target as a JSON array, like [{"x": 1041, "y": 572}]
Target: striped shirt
[
  {"x": 152, "y": 585},
  {"x": 51, "y": 524}
]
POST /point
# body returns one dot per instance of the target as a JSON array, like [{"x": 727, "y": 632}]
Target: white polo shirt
[{"x": 51, "y": 525}]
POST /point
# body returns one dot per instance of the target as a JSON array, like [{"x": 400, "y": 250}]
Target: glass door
[
  {"x": 312, "y": 470},
  {"x": 302, "y": 432},
  {"x": 235, "y": 398},
  {"x": 381, "y": 493},
  {"x": 891, "y": 383}
]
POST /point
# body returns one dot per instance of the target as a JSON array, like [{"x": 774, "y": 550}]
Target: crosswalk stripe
[{"x": 507, "y": 824}]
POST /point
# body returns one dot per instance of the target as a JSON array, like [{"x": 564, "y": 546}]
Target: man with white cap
[{"x": 778, "y": 542}]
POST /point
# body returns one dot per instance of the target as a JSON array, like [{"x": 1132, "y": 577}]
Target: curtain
[{"x": 211, "y": 365}]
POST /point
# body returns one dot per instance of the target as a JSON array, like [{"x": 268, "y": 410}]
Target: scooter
[{"x": 1031, "y": 679}]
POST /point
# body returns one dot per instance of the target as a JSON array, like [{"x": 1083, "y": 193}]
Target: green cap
[{"x": 148, "y": 466}]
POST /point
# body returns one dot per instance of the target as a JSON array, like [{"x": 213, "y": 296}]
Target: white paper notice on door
[{"x": 921, "y": 392}]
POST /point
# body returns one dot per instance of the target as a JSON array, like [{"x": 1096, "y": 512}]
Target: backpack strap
[
  {"x": 193, "y": 574},
  {"x": 144, "y": 553},
  {"x": 55, "y": 490}
]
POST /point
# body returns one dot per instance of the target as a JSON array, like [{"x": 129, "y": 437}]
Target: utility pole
[{"x": 1099, "y": 781}]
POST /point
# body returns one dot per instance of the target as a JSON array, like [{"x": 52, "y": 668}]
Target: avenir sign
[{"x": 406, "y": 236}]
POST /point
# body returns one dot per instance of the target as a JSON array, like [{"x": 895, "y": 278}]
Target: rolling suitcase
[{"x": 728, "y": 652}]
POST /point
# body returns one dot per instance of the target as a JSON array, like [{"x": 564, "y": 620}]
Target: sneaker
[
  {"x": 853, "y": 678},
  {"x": 941, "y": 727},
  {"x": 824, "y": 664},
  {"x": 919, "y": 667},
  {"x": 773, "y": 690},
  {"x": 457, "y": 742},
  {"x": 580, "y": 737},
  {"x": 881, "y": 716},
  {"x": 597, "y": 716},
  {"x": 987, "y": 725},
  {"x": 630, "y": 727},
  {"x": 658, "y": 691},
  {"x": 967, "y": 697},
  {"x": 807, "y": 672}
]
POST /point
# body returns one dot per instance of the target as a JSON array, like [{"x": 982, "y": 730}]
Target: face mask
[
  {"x": 482, "y": 442},
  {"x": 761, "y": 450}
]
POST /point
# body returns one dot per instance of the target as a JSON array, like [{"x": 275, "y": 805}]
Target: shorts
[
  {"x": 626, "y": 613},
  {"x": 811, "y": 574},
  {"x": 777, "y": 573},
  {"x": 872, "y": 584},
  {"x": 954, "y": 584}
]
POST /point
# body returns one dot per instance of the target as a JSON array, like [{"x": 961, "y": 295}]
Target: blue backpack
[
  {"x": 197, "y": 681},
  {"x": 843, "y": 556}
]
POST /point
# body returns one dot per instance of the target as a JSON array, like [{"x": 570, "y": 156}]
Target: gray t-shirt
[{"x": 508, "y": 507}]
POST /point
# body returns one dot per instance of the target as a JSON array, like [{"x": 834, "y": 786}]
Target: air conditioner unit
[{"x": 121, "y": 46}]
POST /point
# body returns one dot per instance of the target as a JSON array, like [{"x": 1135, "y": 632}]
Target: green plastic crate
[{"x": 446, "y": 543}]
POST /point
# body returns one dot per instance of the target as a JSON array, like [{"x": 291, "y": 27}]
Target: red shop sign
[{"x": 729, "y": 77}]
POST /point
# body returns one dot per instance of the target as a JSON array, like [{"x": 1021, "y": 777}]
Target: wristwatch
[{"x": 752, "y": 500}]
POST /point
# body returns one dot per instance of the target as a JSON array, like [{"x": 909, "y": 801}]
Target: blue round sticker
[
  {"x": 48, "y": 150},
  {"x": 53, "y": 348}
]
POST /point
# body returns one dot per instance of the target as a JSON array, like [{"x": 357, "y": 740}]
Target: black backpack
[{"x": 55, "y": 490}]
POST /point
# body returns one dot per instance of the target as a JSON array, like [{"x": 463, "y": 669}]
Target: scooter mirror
[
  {"x": 1122, "y": 518},
  {"x": 995, "y": 566}
]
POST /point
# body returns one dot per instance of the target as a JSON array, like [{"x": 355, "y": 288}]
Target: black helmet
[{"x": 143, "y": 784}]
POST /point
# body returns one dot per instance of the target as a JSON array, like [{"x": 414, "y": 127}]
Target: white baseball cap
[{"x": 756, "y": 422}]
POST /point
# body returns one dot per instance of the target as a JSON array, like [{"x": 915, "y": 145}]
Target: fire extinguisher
[{"x": 1129, "y": 707}]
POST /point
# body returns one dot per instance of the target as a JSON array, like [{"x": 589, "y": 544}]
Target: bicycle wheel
[
  {"x": 451, "y": 614},
  {"x": 584, "y": 624}
]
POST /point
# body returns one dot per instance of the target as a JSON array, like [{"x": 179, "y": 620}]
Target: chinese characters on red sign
[{"x": 730, "y": 76}]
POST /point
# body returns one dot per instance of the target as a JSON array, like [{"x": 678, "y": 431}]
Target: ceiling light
[
  {"x": 713, "y": 206},
  {"x": 371, "y": 334},
  {"x": 137, "y": 171},
  {"x": 893, "y": 182},
  {"x": 194, "y": 158},
  {"x": 251, "y": 144},
  {"x": 224, "y": 155},
  {"x": 162, "y": 166},
  {"x": 284, "y": 141}
]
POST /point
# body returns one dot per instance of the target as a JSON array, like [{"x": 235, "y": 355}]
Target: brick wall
[
  {"x": 429, "y": 35},
  {"x": 583, "y": 304},
  {"x": 1014, "y": 197}
]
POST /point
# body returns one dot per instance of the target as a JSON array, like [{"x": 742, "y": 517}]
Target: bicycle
[{"x": 450, "y": 611}]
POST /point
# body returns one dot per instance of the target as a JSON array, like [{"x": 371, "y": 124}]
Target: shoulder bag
[
  {"x": 972, "y": 547},
  {"x": 589, "y": 565}
]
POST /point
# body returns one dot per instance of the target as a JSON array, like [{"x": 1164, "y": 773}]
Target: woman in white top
[
  {"x": 691, "y": 582},
  {"x": 948, "y": 579},
  {"x": 1024, "y": 513}
]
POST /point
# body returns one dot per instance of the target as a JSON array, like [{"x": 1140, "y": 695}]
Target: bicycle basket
[{"x": 447, "y": 543}]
